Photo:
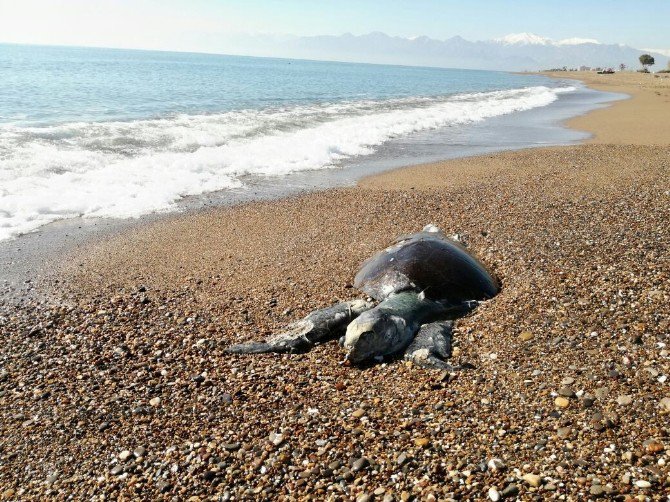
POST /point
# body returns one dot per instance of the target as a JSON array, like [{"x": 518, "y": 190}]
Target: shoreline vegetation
[{"x": 119, "y": 385}]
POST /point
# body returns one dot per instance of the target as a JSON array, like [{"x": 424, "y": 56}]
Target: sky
[{"x": 198, "y": 25}]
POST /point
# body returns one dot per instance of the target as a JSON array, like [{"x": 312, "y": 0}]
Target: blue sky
[{"x": 194, "y": 24}]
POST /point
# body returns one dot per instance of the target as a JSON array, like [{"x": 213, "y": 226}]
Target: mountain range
[{"x": 517, "y": 52}]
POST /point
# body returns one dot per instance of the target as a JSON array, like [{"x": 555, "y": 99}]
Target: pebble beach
[{"x": 115, "y": 384}]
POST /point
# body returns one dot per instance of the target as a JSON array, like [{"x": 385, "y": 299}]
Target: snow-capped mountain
[
  {"x": 577, "y": 41},
  {"x": 523, "y": 39},
  {"x": 533, "y": 39},
  {"x": 515, "y": 52}
]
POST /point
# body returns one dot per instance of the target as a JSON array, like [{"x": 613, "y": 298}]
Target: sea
[{"x": 107, "y": 133}]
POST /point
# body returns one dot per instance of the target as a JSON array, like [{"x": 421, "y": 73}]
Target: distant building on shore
[{"x": 584, "y": 68}]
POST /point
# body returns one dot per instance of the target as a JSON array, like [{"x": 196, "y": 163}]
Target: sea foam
[{"x": 126, "y": 169}]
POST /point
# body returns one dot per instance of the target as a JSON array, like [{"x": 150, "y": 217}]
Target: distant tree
[
  {"x": 622, "y": 67},
  {"x": 646, "y": 60}
]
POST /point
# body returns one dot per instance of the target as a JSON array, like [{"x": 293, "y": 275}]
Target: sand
[
  {"x": 642, "y": 120},
  {"x": 119, "y": 386}
]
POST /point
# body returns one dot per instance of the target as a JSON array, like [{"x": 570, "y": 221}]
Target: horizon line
[{"x": 280, "y": 58}]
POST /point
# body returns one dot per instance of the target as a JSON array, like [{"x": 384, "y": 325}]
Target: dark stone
[
  {"x": 360, "y": 464},
  {"x": 566, "y": 392},
  {"x": 510, "y": 490},
  {"x": 588, "y": 402}
]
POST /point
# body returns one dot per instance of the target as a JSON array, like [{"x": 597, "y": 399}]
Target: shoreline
[
  {"x": 637, "y": 122},
  {"x": 568, "y": 397},
  {"x": 30, "y": 263}
]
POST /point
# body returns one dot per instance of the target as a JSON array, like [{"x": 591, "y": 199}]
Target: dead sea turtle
[{"x": 420, "y": 282}]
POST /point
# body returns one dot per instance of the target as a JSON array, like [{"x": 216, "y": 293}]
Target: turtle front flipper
[
  {"x": 300, "y": 336},
  {"x": 431, "y": 346},
  {"x": 391, "y": 326}
]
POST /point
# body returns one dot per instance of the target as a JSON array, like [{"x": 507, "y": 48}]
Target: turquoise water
[
  {"x": 117, "y": 133},
  {"x": 52, "y": 85}
]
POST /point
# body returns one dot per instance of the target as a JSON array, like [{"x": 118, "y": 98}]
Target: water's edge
[{"x": 29, "y": 258}]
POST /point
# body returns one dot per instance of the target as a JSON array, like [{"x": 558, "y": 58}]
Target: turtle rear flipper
[
  {"x": 431, "y": 346},
  {"x": 300, "y": 336}
]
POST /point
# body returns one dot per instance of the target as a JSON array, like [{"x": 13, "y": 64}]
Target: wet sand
[{"x": 121, "y": 386}]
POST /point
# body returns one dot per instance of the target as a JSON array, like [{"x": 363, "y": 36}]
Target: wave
[{"x": 126, "y": 169}]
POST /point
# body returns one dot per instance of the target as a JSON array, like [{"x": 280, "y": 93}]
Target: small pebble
[
  {"x": 526, "y": 336},
  {"x": 602, "y": 392},
  {"x": 360, "y": 464},
  {"x": 653, "y": 446},
  {"x": 276, "y": 438},
  {"x": 358, "y": 413},
  {"x": 588, "y": 401},
  {"x": 510, "y": 490},
  {"x": 564, "y": 432},
  {"x": 495, "y": 464},
  {"x": 596, "y": 490},
  {"x": 624, "y": 400},
  {"x": 422, "y": 442},
  {"x": 532, "y": 479},
  {"x": 562, "y": 402},
  {"x": 566, "y": 392}
]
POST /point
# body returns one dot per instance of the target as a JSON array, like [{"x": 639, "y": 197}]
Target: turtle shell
[{"x": 427, "y": 261}]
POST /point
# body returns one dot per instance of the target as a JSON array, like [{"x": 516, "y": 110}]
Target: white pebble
[{"x": 495, "y": 464}]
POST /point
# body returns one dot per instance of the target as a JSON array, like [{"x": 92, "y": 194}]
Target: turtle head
[{"x": 373, "y": 334}]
